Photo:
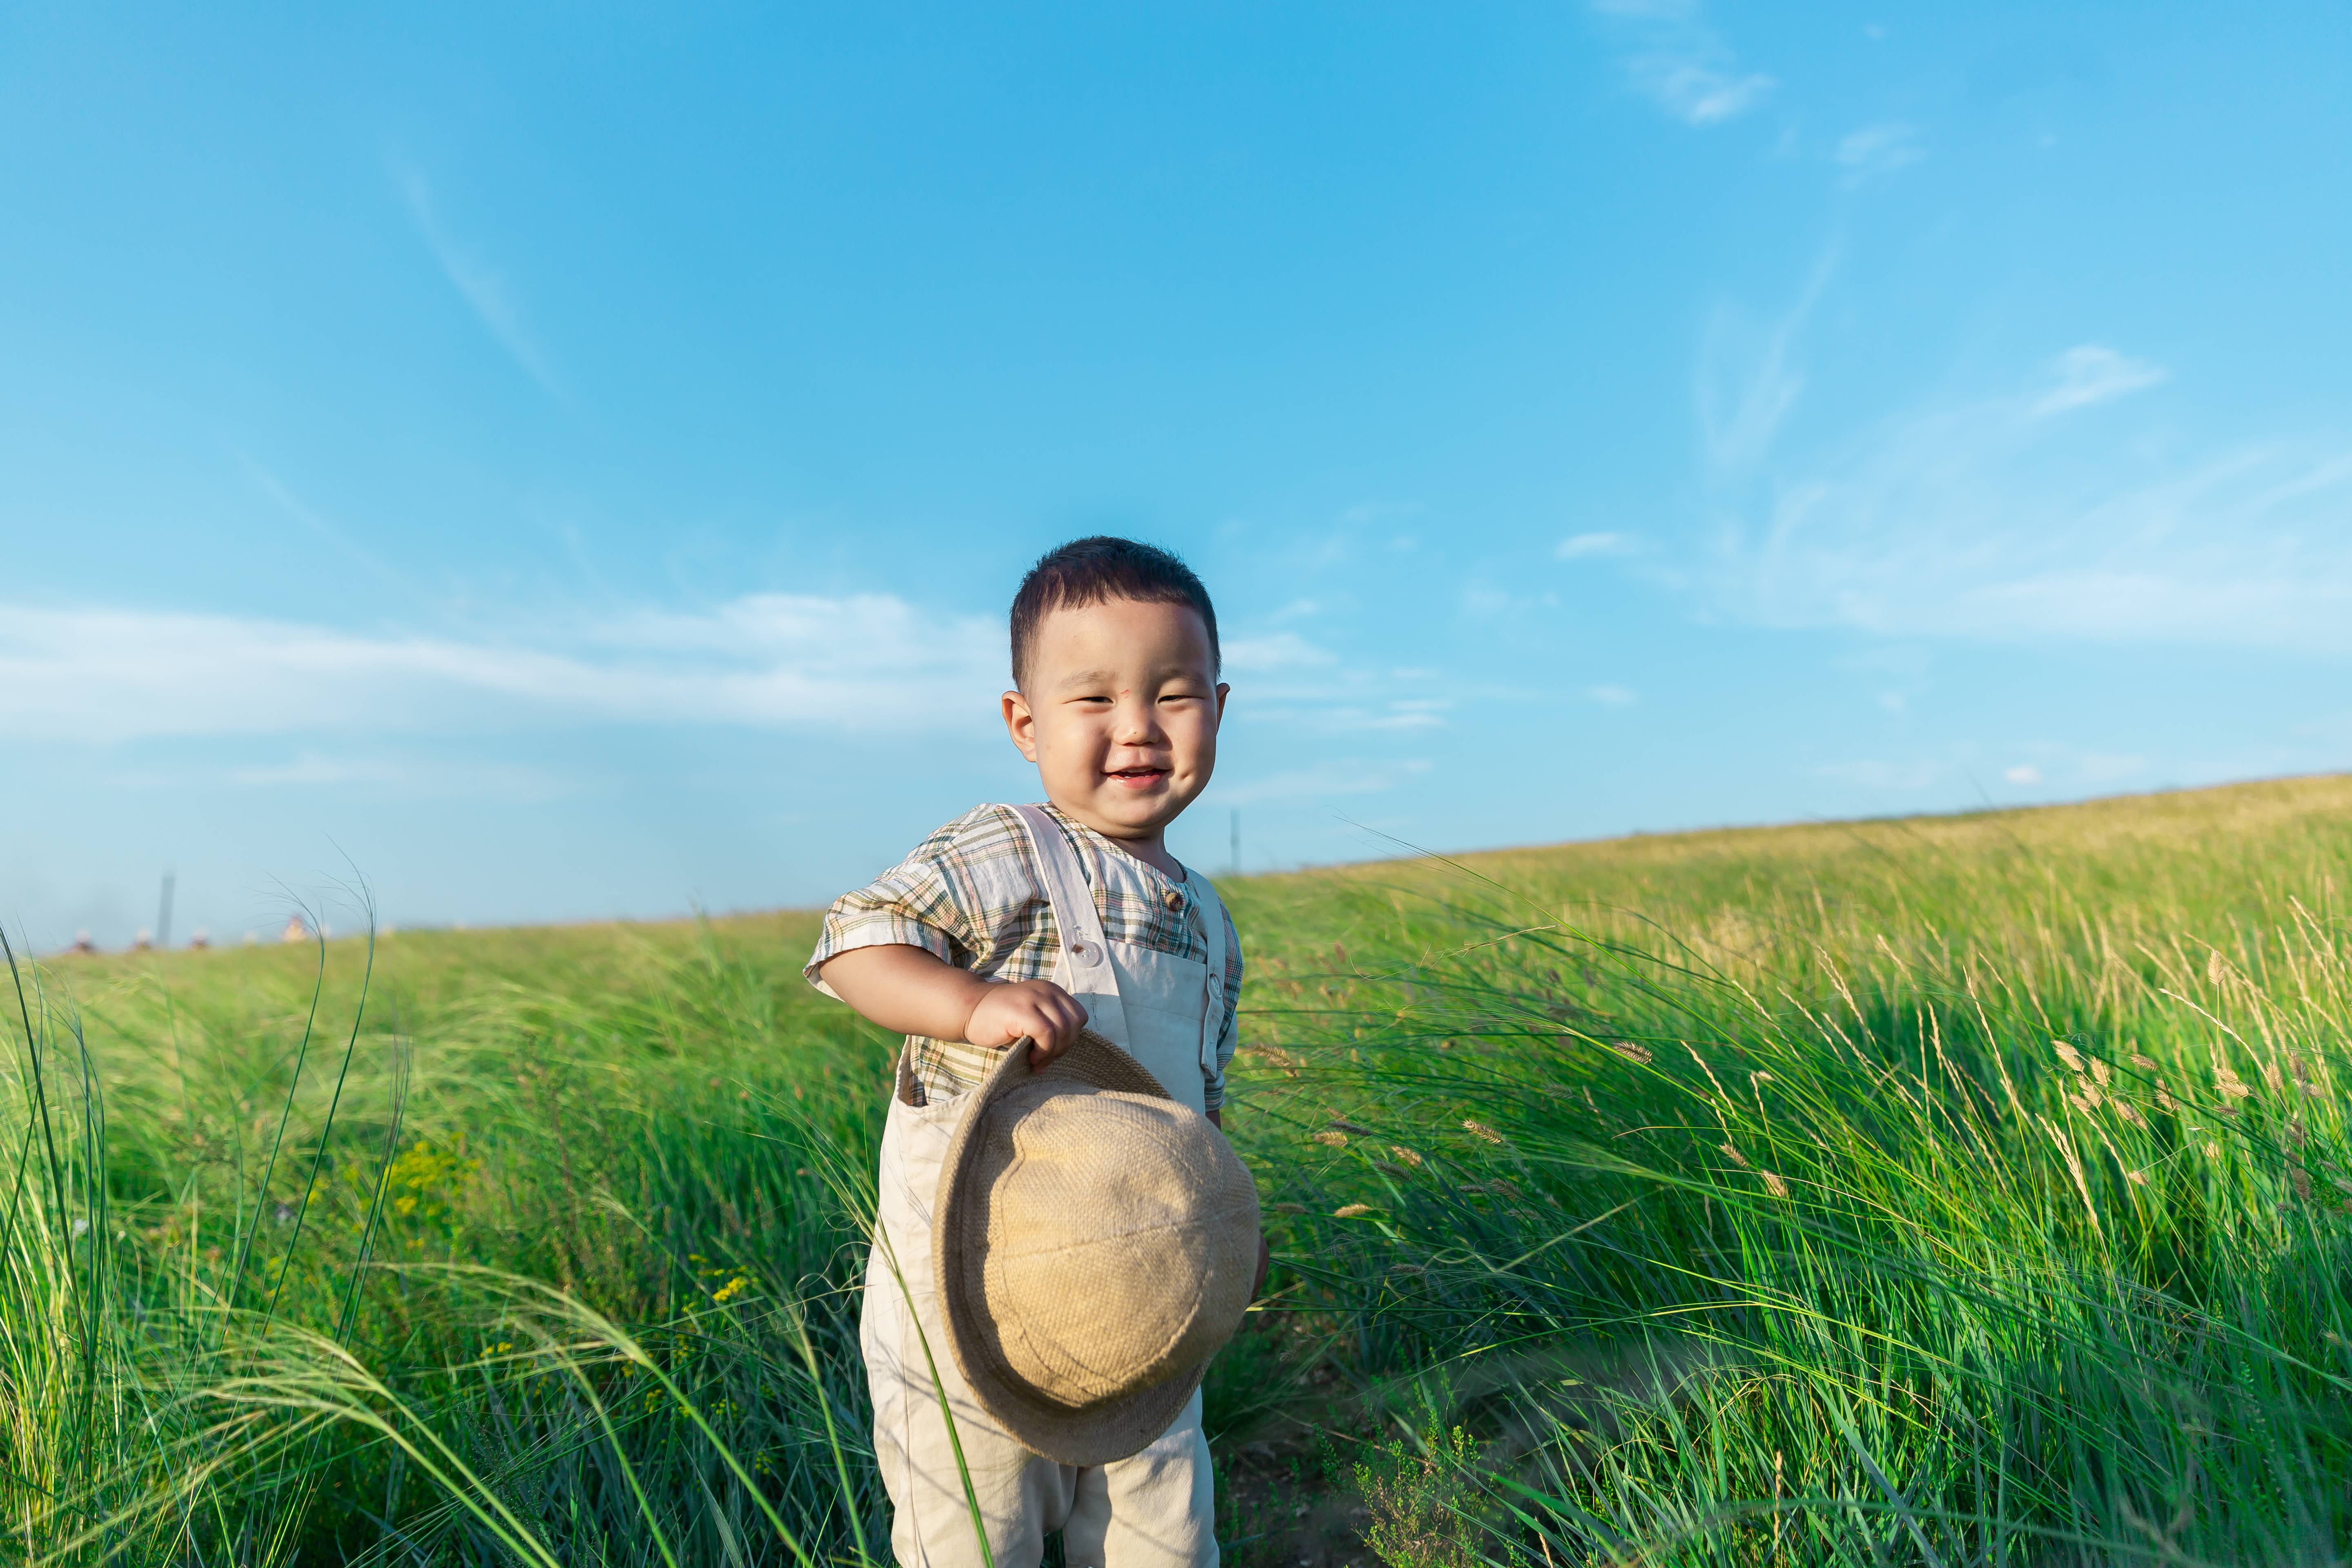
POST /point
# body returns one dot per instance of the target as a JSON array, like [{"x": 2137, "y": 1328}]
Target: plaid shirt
[{"x": 971, "y": 894}]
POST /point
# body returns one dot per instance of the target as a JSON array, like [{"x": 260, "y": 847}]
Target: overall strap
[
  {"x": 1214, "y": 922},
  {"x": 1086, "y": 960}
]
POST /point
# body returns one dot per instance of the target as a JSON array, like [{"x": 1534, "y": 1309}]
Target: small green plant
[{"x": 1419, "y": 1500}]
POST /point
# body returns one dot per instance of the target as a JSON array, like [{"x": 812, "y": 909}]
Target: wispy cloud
[
  {"x": 294, "y": 507},
  {"x": 2057, "y": 767},
  {"x": 382, "y": 774},
  {"x": 1346, "y": 777},
  {"x": 1613, "y": 696},
  {"x": 1876, "y": 151},
  {"x": 1748, "y": 378},
  {"x": 1990, "y": 519},
  {"x": 1877, "y": 774},
  {"x": 1585, "y": 546},
  {"x": 860, "y": 662},
  {"x": 1410, "y": 715},
  {"x": 477, "y": 282},
  {"x": 1675, "y": 59},
  {"x": 2092, "y": 373},
  {"x": 2070, "y": 767},
  {"x": 1275, "y": 651}
]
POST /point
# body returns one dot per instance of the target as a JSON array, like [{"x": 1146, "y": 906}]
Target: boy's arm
[{"x": 910, "y": 991}]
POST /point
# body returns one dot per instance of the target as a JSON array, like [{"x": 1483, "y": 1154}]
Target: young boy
[{"x": 979, "y": 941}]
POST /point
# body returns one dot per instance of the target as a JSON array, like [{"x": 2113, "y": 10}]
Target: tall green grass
[
  {"x": 1970, "y": 1191},
  {"x": 1966, "y": 1193},
  {"x": 550, "y": 1263}
]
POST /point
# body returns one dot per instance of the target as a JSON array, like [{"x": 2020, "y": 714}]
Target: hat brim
[{"x": 1097, "y": 1435}]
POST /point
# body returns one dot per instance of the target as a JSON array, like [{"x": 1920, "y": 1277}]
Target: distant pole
[
  {"x": 163, "y": 914},
  {"x": 1237, "y": 841}
]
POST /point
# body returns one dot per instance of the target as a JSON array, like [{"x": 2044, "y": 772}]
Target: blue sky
[{"x": 570, "y": 462}]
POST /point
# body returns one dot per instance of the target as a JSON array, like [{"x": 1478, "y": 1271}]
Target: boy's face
[{"x": 1120, "y": 714}]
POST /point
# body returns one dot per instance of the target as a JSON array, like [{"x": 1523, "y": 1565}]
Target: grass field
[{"x": 1955, "y": 1191}]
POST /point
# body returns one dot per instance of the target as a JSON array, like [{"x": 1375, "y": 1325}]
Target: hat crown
[{"x": 1120, "y": 1241}]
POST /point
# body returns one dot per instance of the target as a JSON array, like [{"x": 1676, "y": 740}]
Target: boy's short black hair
[{"x": 1093, "y": 570}]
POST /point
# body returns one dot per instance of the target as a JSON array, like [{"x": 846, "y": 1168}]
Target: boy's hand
[
  {"x": 1038, "y": 1010},
  {"x": 913, "y": 992}
]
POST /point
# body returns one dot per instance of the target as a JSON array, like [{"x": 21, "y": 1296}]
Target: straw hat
[{"x": 1094, "y": 1243}]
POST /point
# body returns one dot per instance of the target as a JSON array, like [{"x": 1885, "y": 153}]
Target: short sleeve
[
  {"x": 965, "y": 895},
  {"x": 913, "y": 904}
]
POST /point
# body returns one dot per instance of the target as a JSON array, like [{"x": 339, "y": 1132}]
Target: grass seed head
[
  {"x": 1480, "y": 1129},
  {"x": 2068, "y": 1054},
  {"x": 1352, "y": 1211},
  {"x": 1631, "y": 1051}
]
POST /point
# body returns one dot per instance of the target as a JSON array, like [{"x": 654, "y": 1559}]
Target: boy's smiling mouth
[{"x": 1138, "y": 777}]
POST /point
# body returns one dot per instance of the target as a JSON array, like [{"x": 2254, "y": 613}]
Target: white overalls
[{"x": 1153, "y": 1510}]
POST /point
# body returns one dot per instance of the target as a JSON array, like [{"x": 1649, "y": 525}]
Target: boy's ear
[{"x": 1022, "y": 724}]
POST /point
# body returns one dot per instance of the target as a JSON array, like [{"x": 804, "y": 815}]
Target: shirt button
[{"x": 1174, "y": 900}]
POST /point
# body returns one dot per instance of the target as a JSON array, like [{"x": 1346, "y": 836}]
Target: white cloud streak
[
  {"x": 770, "y": 660},
  {"x": 1885, "y": 775},
  {"x": 1349, "y": 776},
  {"x": 482, "y": 287},
  {"x": 1274, "y": 652},
  {"x": 2091, "y": 374},
  {"x": 1876, "y": 151},
  {"x": 1748, "y": 378},
  {"x": 408, "y": 777},
  {"x": 1673, "y": 57},
  {"x": 1992, "y": 519},
  {"x": 1584, "y": 546}
]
